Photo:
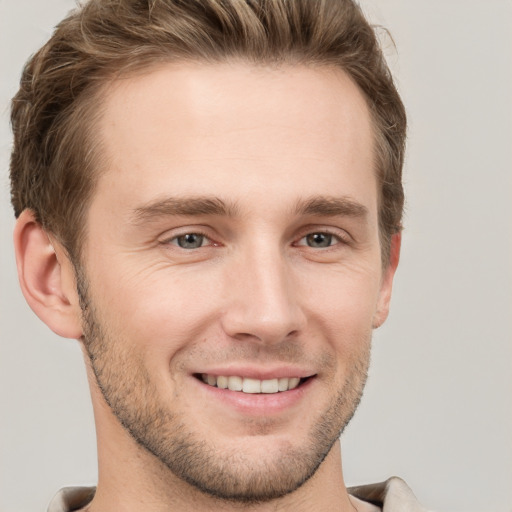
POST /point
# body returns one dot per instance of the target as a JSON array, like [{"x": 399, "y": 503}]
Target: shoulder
[
  {"x": 71, "y": 498},
  {"x": 392, "y": 495}
]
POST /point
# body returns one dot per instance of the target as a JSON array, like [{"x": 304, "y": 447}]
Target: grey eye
[
  {"x": 319, "y": 240},
  {"x": 190, "y": 241}
]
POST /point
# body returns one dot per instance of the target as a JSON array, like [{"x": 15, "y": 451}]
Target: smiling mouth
[{"x": 252, "y": 386}]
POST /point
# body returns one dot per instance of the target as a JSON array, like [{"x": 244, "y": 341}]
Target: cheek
[
  {"x": 160, "y": 308},
  {"x": 173, "y": 308},
  {"x": 348, "y": 294},
  {"x": 341, "y": 306}
]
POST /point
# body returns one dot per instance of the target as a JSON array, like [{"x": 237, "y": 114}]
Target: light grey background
[{"x": 438, "y": 408}]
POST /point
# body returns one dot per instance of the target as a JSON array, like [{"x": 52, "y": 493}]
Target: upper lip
[{"x": 252, "y": 372}]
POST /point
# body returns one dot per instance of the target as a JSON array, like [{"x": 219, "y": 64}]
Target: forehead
[{"x": 198, "y": 129}]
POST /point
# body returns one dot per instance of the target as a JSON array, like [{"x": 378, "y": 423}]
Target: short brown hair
[{"x": 55, "y": 159}]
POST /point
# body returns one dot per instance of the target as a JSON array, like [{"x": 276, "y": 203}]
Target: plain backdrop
[{"x": 438, "y": 406}]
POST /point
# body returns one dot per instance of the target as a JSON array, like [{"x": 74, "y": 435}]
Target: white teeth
[
  {"x": 235, "y": 383},
  {"x": 222, "y": 382},
  {"x": 293, "y": 382},
  {"x": 269, "y": 386},
  {"x": 282, "y": 384},
  {"x": 251, "y": 385},
  {"x": 248, "y": 385}
]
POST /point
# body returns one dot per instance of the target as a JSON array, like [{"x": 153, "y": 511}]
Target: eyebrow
[
  {"x": 186, "y": 206},
  {"x": 330, "y": 206},
  {"x": 323, "y": 206}
]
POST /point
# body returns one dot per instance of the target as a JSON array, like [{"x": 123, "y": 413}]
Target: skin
[{"x": 287, "y": 152}]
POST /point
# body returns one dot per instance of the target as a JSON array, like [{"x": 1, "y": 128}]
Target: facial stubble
[{"x": 231, "y": 475}]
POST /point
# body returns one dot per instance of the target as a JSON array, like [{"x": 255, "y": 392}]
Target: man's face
[{"x": 234, "y": 239}]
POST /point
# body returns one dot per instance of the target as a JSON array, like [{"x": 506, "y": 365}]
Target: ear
[
  {"x": 388, "y": 274},
  {"x": 46, "y": 277}
]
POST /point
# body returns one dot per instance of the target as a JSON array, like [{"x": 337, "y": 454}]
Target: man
[{"x": 209, "y": 199}]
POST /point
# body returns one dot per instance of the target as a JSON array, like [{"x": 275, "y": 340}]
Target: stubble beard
[{"x": 232, "y": 475}]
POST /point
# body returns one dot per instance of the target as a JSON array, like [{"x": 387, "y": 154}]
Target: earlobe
[
  {"x": 382, "y": 310},
  {"x": 46, "y": 278}
]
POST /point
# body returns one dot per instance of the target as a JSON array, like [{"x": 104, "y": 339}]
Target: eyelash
[
  {"x": 174, "y": 240},
  {"x": 336, "y": 236}
]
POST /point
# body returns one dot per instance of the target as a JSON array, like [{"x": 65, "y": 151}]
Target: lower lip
[{"x": 259, "y": 404}]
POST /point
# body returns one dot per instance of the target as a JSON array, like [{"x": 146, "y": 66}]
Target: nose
[{"x": 263, "y": 302}]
